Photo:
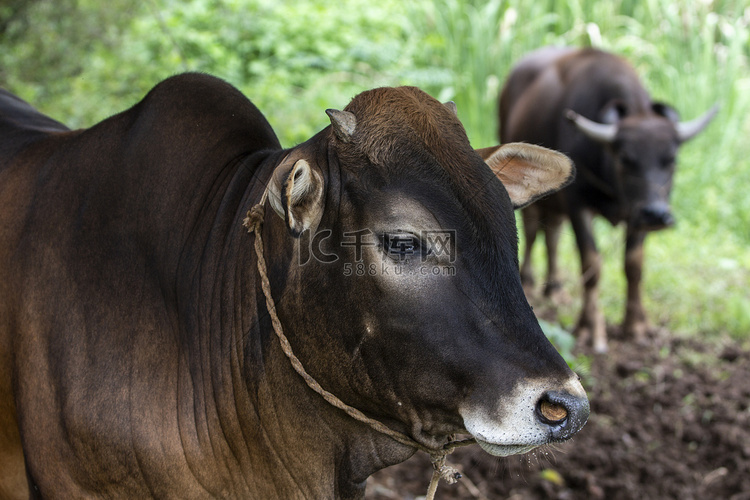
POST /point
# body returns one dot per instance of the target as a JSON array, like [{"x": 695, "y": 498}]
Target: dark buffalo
[
  {"x": 137, "y": 355},
  {"x": 591, "y": 106}
]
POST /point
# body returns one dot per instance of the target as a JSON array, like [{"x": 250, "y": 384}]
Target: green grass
[{"x": 80, "y": 61}]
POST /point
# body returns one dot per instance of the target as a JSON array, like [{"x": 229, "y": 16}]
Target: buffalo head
[{"x": 642, "y": 148}]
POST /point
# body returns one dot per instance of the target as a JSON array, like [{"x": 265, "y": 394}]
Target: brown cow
[
  {"x": 590, "y": 105},
  {"x": 137, "y": 356}
]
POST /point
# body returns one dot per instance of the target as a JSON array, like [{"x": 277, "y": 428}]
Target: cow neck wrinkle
[{"x": 254, "y": 222}]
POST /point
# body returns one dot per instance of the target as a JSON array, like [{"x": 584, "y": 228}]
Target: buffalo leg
[
  {"x": 591, "y": 323},
  {"x": 530, "y": 216},
  {"x": 635, "y": 324}
]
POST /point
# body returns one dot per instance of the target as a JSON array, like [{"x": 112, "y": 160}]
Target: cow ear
[
  {"x": 296, "y": 194},
  {"x": 528, "y": 172}
]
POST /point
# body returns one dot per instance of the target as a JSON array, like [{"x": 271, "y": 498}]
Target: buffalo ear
[
  {"x": 528, "y": 172},
  {"x": 666, "y": 111},
  {"x": 296, "y": 194}
]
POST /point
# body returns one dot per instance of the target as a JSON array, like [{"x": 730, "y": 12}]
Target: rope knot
[
  {"x": 254, "y": 218},
  {"x": 445, "y": 472},
  {"x": 449, "y": 474}
]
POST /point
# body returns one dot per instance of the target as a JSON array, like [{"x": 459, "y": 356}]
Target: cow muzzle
[{"x": 529, "y": 417}]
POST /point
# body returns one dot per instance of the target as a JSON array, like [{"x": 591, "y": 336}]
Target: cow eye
[{"x": 401, "y": 245}]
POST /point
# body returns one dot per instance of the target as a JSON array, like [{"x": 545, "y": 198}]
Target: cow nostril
[
  {"x": 553, "y": 412},
  {"x": 563, "y": 413}
]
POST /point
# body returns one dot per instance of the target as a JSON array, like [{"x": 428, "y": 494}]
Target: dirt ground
[{"x": 668, "y": 421}]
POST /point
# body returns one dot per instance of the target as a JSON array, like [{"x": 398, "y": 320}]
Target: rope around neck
[{"x": 254, "y": 222}]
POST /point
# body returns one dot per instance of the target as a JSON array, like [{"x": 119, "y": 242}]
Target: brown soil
[{"x": 668, "y": 421}]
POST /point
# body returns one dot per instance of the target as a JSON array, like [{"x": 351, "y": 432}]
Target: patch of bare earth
[{"x": 668, "y": 421}]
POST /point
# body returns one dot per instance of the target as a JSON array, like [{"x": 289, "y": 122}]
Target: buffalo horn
[
  {"x": 688, "y": 130},
  {"x": 601, "y": 132},
  {"x": 343, "y": 123}
]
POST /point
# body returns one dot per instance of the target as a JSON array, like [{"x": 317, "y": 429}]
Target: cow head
[
  {"x": 642, "y": 147},
  {"x": 404, "y": 297}
]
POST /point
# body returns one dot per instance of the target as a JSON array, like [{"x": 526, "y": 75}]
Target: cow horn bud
[
  {"x": 343, "y": 123},
  {"x": 688, "y": 130},
  {"x": 451, "y": 106},
  {"x": 600, "y": 132}
]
